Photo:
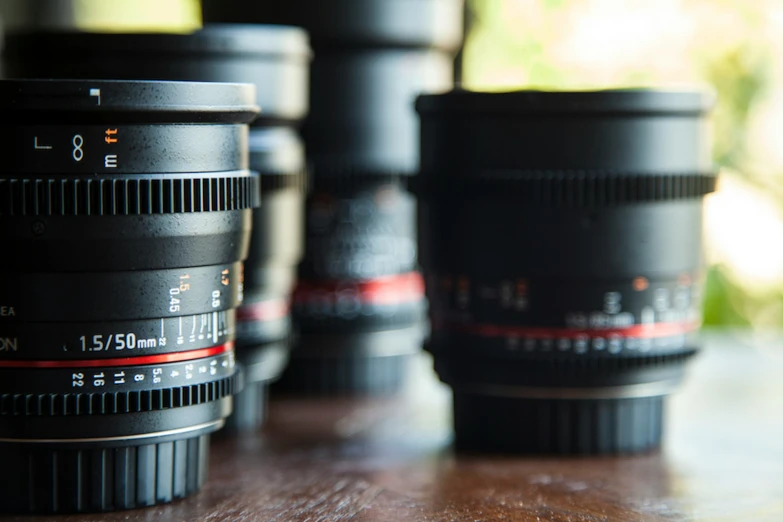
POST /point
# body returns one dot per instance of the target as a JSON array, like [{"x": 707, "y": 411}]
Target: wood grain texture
[{"x": 391, "y": 460}]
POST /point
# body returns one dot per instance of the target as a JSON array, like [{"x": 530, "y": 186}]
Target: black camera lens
[
  {"x": 359, "y": 304},
  {"x": 359, "y": 308},
  {"x": 275, "y": 59},
  {"x": 125, "y": 214},
  {"x": 372, "y": 58},
  {"x": 560, "y": 236}
]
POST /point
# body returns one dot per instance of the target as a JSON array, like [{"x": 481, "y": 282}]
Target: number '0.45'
[{"x": 174, "y": 299}]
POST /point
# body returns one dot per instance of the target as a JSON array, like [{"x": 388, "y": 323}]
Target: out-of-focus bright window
[
  {"x": 732, "y": 46},
  {"x": 104, "y": 15}
]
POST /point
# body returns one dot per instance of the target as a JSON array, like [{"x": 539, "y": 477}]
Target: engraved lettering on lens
[
  {"x": 89, "y": 371},
  {"x": 9, "y": 344},
  {"x": 111, "y": 136},
  {"x": 78, "y": 147},
  {"x": 110, "y": 161},
  {"x": 40, "y": 146}
]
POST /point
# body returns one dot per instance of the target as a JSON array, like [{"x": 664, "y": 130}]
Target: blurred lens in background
[
  {"x": 275, "y": 59},
  {"x": 561, "y": 239},
  {"x": 359, "y": 306}
]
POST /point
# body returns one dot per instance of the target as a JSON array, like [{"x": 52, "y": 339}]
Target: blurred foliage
[
  {"x": 138, "y": 15},
  {"x": 730, "y": 45},
  {"x": 740, "y": 76},
  {"x": 178, "y": 16}
]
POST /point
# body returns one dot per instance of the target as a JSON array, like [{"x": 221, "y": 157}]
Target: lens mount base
[
  {"x": 592, "y": 426},
  {"x": 90, "y": 478},
  {"x": 360, "y": 363}
]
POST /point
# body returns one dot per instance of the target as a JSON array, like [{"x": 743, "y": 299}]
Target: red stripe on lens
[
  {"x": 380, "y": 291},
  {"x": 124, "y": 361},
  {"x": 270, "y": 310},
  {"x": 640, "y": 331}
]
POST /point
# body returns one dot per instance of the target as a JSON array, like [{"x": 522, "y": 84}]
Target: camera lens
[
  {"x": 125, "y": 213},
  {"x": 372, "y": 58},
  {"x": 359, "y": 304},
  {"x": 560, "y": 237},
  {"x": 275, "y": 59}
]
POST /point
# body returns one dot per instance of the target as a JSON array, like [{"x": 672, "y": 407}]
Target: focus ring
[
  {"x": 576, "y": 188},
  {"x": 127, "y": 195},
  {"x": 60, "y": 404}
]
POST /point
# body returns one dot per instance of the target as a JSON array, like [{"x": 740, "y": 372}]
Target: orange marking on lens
[{"x": 640, "y": 283}]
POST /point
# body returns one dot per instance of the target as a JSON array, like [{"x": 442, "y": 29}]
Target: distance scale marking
[
  {"x": 68, "y": 341},
  {"x": 93, "y": 296},
  {"x": 149, "y": 373},
  {"x": 115, "y": 149},
  {"x": 529, "y": 315},
  {"x": 658, "y": 338}
]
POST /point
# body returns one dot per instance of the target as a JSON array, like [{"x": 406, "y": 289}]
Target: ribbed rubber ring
[
  {"x": 348, "y": 375},
  {"x": 71, "y": 404},
  {"x": 50, "y": 480},
  {"x": 557, "y": 426},
  {"x": 573, "y": 188},
  {"x": 127, "y": 195}
]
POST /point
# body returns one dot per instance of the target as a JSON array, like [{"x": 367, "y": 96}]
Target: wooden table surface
[{"x": 391, "y": 460}]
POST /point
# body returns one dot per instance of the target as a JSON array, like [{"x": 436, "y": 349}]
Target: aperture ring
[
  {"x": 572, "y": 188},
  {"x": 134, "y": 401},
  {"x": 128, "y": 194}
]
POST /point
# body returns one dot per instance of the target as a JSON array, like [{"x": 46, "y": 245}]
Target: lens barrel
[
  {"x": 560, "y": 236},
  {"x": 359, "y": 307},
  {"x": 372, "y": 58},
  {"x": 275, "y": 59},
  {"x": 125, "y": 213}
]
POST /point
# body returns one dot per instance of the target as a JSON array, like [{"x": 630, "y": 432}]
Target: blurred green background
[{"x": 734, "y": 46}]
